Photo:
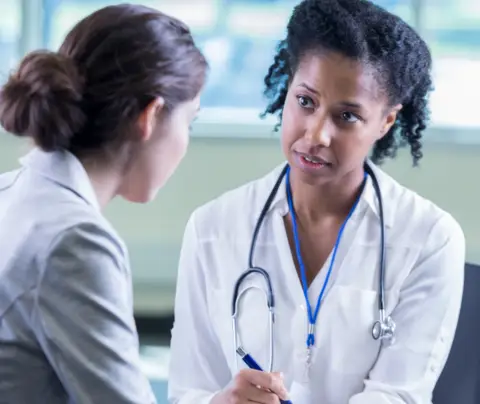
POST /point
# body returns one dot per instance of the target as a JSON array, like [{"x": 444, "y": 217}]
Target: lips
[{"x": 316, "y": 160}]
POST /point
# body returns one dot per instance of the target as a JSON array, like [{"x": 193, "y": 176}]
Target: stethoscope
[{"x": 383, "y": 329}]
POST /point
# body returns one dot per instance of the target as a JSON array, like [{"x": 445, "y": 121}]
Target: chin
[
  {"x": 311, "y": 176},
  {"x": 144, "y": 197}
]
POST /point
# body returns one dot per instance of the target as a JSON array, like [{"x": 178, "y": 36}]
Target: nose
[{"x": 319, "y": 132}]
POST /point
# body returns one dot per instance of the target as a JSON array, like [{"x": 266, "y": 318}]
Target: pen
[{"x": 252, "y": 364}]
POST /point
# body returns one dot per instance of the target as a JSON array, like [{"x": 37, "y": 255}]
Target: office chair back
[{"x": 459, "y": 382}]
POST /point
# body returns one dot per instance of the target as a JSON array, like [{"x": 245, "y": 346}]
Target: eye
[
  {"x": 349, "y": 117},
  {"x": 305, "y": 102}
]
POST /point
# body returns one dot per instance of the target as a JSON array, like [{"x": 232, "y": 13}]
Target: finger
[
  {"x": 244, "y": 392},
  {"x": 279, "y": 375},
  {"x": 269, "y": 381},
  {"x": 260, "y": 396}
]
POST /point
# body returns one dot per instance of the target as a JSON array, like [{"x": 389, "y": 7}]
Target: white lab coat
[{"x": 425, "y": 255}]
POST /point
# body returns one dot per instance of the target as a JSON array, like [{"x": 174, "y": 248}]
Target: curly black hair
[{"x": 369, "y": 34}]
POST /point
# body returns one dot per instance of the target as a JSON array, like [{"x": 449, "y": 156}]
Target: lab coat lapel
[
  {"x": 348, "y": 238},
  {"x": 291, "y": 279}
]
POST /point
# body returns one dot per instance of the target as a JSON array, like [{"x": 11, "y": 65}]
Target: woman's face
[
  {"x": 157, "y": 157},
  {"x": 333, "y": 114}
]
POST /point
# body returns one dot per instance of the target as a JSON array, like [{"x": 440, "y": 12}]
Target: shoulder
[
  {"x": 42, "y": 212},
  {"x": 7, "y": 179},
  {"x": 235, "y": 209},
  {"x": 84, "y": 251},
  {"x": 78, "y": 231},
  {"x": 418, "y": 221},
  {"x": 83, "y": 236},
  {"x": 83, "y": 257}
]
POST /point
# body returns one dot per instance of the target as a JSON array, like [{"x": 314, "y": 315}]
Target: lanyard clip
[{"x": 311, "y": 335}]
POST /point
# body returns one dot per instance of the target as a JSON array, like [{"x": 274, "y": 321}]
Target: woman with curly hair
[{"x": 350, "y": 85}]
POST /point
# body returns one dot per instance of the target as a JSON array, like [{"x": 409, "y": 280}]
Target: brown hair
[{"x": 109, "y": 68}]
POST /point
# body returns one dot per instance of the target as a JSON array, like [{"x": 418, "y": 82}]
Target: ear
[
  {"x": 148, "y": 119},
  {"x": 390, "y": 119}
]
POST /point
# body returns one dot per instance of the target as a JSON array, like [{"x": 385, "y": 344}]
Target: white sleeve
[
  {"x": 83, "y": 319},
  {"x": 426, "y": 318},
  {"x": 198, "y": 369}
]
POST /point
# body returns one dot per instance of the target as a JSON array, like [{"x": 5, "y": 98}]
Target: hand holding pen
[
  {"x": 267, "y": 387},
  {"x": 253, "y": 385}
]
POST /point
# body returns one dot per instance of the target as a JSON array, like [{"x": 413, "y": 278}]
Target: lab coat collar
[
  {"x": 386, "y": 184},
  {"x": 63, "y": 168},
  {"x": 368, "y": 198}
]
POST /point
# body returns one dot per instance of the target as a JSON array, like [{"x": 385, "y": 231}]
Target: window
[
  {"x": 10, "y": 50},
  {"x": 10, "y": 27},
  {"x": 239, "y": 38},
  {"x": 452, "y": 29}
]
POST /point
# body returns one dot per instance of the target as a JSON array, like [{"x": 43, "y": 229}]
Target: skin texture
[
  {"x": 253, "y": 386},
  {"x": 334, "y": 113},
  {"x": 143, "y": 165},
  {"x": 161, "y": 150},
  {"x": 377, "y": 40}
]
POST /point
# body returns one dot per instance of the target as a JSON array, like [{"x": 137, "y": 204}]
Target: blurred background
[{"x": 231, "y": 145}]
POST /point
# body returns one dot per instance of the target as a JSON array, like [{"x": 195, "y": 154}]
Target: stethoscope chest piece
[{"x": 384, "y": 329}]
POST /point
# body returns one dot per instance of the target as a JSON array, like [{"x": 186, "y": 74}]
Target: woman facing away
[
  {"x": 349, "y": 81},
  {"x": 109, "y": 114}
]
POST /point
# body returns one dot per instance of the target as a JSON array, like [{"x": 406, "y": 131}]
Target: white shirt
[
  {"x": 425, "y": 255},
  {"x": 67, "y": 331}
]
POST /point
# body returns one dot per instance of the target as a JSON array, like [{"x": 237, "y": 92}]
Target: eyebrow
[
  {"x": 349, "y": 104},
  {"x": 312, "y": 90}
]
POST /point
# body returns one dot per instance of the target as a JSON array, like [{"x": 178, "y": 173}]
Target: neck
[
  {"x": 105, "y": 180},
  {"x": 315, "y": 202}
]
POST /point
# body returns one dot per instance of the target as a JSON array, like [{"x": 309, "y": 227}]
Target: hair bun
[{"x": 42, "y": 100}]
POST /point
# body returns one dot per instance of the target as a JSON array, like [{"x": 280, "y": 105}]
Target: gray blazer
[{"x": 67, "y": 332}]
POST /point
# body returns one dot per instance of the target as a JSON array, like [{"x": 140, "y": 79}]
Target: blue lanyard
[{"x": 312, "y": 317}]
